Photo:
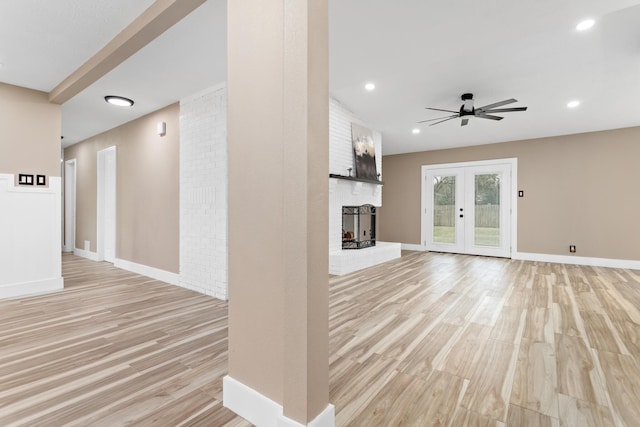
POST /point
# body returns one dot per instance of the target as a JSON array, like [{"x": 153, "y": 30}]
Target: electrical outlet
[{"x": 572, "y": 249}]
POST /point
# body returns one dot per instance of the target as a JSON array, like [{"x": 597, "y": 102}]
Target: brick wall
[
  {"x": 203, "y": 192},
  {"x": 203, "y": 186}
]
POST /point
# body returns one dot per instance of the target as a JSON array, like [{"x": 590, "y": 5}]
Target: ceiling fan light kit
[{"x": 468, "y": 111}]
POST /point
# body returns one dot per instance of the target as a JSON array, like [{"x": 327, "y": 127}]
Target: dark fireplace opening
[{"x": 358, "y": 226}]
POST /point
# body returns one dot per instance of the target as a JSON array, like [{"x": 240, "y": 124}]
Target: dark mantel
[{"x": 353, "y": 178}]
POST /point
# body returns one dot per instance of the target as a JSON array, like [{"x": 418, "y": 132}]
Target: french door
[{"x": 467, "y": 208}]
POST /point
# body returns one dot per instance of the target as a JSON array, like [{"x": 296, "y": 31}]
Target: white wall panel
[{"x": 30, "y": 237}]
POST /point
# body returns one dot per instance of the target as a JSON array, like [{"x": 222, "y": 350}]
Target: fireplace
[{"x": 358, "y": 227}]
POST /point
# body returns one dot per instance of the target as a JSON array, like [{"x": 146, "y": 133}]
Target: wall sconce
[{"x": 161, "y": 129}]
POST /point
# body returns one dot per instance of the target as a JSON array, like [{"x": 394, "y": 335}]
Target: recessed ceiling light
[
  {"x": 120, "y": 101},
  {"x": 585, "y": 25},
  {"x": 369, "y": 86},
  {"x": 573, "y": 104},
  {"x": 416, "y": 131}
]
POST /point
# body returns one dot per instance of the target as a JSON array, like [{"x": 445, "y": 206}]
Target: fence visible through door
[{"x": 467, "y": 208}]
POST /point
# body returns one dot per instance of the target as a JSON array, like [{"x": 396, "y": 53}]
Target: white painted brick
[
  {"x": 203, "y": 190},
  {"x": 341, "y": 192}
]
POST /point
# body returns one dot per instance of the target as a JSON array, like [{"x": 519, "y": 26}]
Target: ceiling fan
[{"x": 467, "y": 111}]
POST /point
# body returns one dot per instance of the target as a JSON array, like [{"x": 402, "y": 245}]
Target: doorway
[
  {"x": 468, "y": 207},
  {"x": 69, "y": 205},
  {"x": 106, "y": 221}
]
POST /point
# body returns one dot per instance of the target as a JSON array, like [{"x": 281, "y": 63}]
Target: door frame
[
  {"x": 70, "y": 174},
  {"x": 102, "y": 201},
  {"x": 513, "y": 162}
]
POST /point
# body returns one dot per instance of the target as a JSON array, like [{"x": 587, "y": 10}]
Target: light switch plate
[{"x": 25, "y": 179}]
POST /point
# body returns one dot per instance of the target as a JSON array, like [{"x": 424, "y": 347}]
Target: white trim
[
  {"x": 513, "y": 161},
  {"x": 93, "y": 256},
  {"x": 70, "y": 211},
  {"x": 102, "y": 193},
  {"x": 514, "y": 205},
  {"x": 326, "y": 418},
  {"x": 26, "y": 289},
  {"x": 145, "y": 270},
  {"x": 249, "y": 404},
  {"x": 412, "y": 247},
  {"x": 576, "y": 260},
  {"x": 262, "y": 411}
]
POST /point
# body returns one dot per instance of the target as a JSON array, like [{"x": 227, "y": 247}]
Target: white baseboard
[
  {"x": 412, "y": 247},
  {"x": 93, "y": 256},
  {"x": 577, "y": 260},
  {"x": 264, "y": 412},
  {"x": 145, "y": 270},
  {"x": 13, "y": 290},
  {"x": 249, "y": 404},
  {"x": 326, "y": 418}
]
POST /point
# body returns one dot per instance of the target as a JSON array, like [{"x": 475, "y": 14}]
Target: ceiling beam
[{"x": 158, "y": 18}]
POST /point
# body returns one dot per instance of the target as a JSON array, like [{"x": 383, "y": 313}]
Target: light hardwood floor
[{"x": 429, "y": 339}]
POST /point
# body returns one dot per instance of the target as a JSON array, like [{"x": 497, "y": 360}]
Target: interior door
[
  {"x": 107, "y": 204},
  {"x": 468, "y": 209},
  {"x": 70, "y": 205}
]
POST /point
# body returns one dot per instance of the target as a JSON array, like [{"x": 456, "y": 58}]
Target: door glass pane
[
  {"x": 487, "y": 210},
  {"x": 444, "y": 215}
]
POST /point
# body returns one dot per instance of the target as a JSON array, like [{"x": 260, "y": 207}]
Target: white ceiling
[{"x": 418, "y": 53}]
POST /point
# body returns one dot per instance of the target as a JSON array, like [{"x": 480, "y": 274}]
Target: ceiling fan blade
[
  {"x": 487, "y": 116},
  {"x": 440, "y": 109},
  {"x": 497, "y": 104},
  {"x": 504, "y": 110},
  {"x": 464, "y": 122},
  {"x": 439, "y": 118},
  {"x": 450, "y": 118}
]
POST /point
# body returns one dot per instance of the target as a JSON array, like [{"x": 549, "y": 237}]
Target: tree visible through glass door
[{"x": 444, "y": 209}]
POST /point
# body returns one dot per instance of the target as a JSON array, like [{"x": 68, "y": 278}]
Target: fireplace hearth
[{"x": 358, "y": 227}]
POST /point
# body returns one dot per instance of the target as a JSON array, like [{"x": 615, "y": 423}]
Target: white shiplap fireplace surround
[{"x": 351, "y": 193}]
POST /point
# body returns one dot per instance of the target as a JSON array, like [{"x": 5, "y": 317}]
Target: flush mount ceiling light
[
  {"x": 120, "y": 101},
  {"x": 415, "y": 131},
  {"x": 573, "y": 104},
  {"x": 369, "y": 86},
  {"x": 585, "y": 25}
]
